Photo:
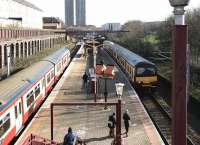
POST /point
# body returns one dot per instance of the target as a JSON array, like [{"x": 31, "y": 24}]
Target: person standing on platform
[
  {"x": 126, "y": 119},
  {"x": 111, "y": 124},
  {"x": 85, "y": 79}
]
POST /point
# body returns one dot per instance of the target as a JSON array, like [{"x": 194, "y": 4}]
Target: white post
[{"x": 8, "y": 60}]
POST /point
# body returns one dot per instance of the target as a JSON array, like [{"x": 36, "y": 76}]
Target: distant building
[
  {"x": 69, "y": 12},
  {"x": 20, "y": 13},
  {"x": 80, "y": 13},
  {"x": 52, "y": 23},
  {"x": 112, "y": 26}
]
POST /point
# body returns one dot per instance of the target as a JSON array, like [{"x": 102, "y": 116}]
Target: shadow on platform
[{"x": 96, "y": 139}]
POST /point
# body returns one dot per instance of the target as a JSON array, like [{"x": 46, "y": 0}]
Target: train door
[{"x": 18, "y": 115}]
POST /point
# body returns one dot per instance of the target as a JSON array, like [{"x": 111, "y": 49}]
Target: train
[
  {"x": 141, "y": 72},
  {"x": 22, "y": 93}
]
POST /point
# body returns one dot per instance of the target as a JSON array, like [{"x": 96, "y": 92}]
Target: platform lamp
[
  {"x": 179, "y": 74},
  {"x": 119, "y": 89},
  {"x": 179, "y": 10},
  {"x": 119, "y": 92}
]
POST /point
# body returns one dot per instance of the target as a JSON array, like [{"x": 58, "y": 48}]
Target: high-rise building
[
  {"x": 69, "y": 12},
  {"x": 112, "y": 27},
  {"x": 80, "y": 13}
]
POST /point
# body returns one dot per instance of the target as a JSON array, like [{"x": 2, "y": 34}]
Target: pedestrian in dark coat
[
  {"x": 85, "y": 79},
  {"x": 126, "y": 119},
  {"x": 111, "y": 124},
  {"x": 69, "y": 137}
]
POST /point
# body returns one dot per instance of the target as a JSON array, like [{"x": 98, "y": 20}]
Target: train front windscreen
[{"x": 145, "y": 71}]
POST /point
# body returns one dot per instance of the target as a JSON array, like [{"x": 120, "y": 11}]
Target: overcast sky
[{"x": 99, "y": 12}]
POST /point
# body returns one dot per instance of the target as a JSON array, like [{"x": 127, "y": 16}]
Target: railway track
[
  {"x": 160, "y": 113},
  {"x": 159, "y": 117}
]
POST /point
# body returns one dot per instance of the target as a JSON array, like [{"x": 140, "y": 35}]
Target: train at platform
[
  {"x": 22, "y": 93},
  {"x": 141, "y": 72}
]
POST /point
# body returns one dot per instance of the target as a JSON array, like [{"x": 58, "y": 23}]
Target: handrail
[{"x": 35, "y": 138}]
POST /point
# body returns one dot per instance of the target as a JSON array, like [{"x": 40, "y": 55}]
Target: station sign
[{"x": 105, "y": 71}]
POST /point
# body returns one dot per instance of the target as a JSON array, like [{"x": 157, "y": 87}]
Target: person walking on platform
[
  {"x": 111, "y": 124},
  {"x": 85, "y": 79},
  {"x": 69, "y": 137},
  {"x": 126, "y": 119}
]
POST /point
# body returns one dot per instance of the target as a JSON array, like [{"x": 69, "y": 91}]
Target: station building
[
  {"x": 112, "y": 26},
  {"x": 52, "y": 23},
  {"x": 20, "y": 13}
]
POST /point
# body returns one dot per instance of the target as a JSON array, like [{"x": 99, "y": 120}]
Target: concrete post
[
  {"x": 19, "y": 50},
  {"x": 23, "y": 50},
  {"x": 14, "y": 52},
  {"x": 1, "y": 56},
  {"x": 8, "y": 60}
]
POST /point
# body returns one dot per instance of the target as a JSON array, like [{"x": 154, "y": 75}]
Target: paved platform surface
[{"x": 90, "y": 123}]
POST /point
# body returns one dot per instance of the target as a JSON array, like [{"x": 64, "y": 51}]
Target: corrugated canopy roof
[{"x": 28, "y": 4}]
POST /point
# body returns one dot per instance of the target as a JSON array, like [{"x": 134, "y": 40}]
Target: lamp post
[
  {"x": 119, "y": 92},
  {"x": 105, "y": 85},
  {"x": 179, "y": 77},
  {"x": 94, "y": 66}
]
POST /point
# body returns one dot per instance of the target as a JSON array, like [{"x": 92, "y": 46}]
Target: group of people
[
  {"x": 112, "y": 123},
  {"x": 70, "y": 137}
]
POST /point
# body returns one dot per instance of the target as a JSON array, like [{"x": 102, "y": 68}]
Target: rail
[{"x": 37, "y": 140}]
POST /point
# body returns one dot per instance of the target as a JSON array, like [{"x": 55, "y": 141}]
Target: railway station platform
[{"x": 90, "y": 122}]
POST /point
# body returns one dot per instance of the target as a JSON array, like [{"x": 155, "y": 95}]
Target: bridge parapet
[{"x": 7, "y": 34}]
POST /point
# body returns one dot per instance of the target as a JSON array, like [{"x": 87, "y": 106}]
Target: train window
[
  {"x": 4, "y": 124},
  {"x": 30, "y": 98},
  {"x": 64, "y": 60},
  {"x": 52, "y": 74},
  {"x": 15, "y": 111},
  {"x": 132, "y": 72},
  {"x": 48, "y": 78},
  {"x": 20, "y": 108},
  {"x": 146, "y": 71},
  {"x": 37, "y": 90},
  {"x": 58, "y": 67},
  {"x": 43, "y": 83}
]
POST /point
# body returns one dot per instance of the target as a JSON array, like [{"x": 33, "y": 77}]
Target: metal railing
[{"x": 37, "y": 140}]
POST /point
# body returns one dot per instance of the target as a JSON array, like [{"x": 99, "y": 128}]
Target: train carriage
[
  {"x": 23, "y": 92},
  {"x": 140, "y": 71}
]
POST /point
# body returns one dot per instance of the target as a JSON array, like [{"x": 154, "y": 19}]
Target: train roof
[
  {"x": 55, "y": 57},
  {"x": 129, "y": 56},
  {"x": 16, "y": 84}
]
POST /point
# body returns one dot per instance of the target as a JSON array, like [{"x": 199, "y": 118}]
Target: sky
[{"x": 99, "y": 12}]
